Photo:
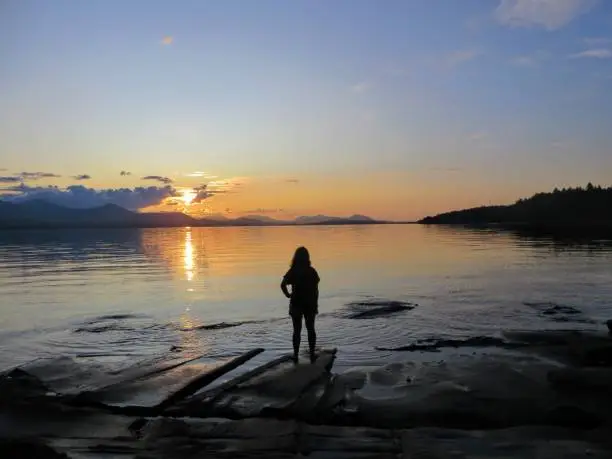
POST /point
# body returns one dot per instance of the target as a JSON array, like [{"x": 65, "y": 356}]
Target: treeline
[{"x": 588, "y": 205}]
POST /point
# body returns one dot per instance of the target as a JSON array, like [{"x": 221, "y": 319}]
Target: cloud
[
  {"x": 476, "y": 136},
  {"x": 530, "y": 60},
  {"x": 462, "y": 56},
  {"x": 293, "y": 180},
  {"x": 124, "y": 173},
  {"x": 79, "y": 196},
  {"x": 361, "y": 87},
  {"x": 204, "y": 192},
  {"x": 262, "y": 211},
  {"x": 81, "y": 177},
  {"x": 10, "y": 179},
  {"x": 597, "y": 41},
  {"x": 446, "y": 169},
  {"x": 598, "y": 53},
  {"x": 2, "y": 169},
  {"x": 37, "y": 175},
  {"x": 201, "y": 174},
  {"x": 550, "y": 14},
  {"x": 167, "y": 40},
  {"x": 524, "y": 61},
  {"x": 158, "y": 178}
]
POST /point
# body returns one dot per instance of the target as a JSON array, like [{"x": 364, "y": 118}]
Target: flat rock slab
[
  {"x": 261, "y": 438},
  {"x": 153, "y": 390},
  {"x": 599, "y": 379},
  {"x": 276, "y": 389},
  {"x": 573, "y": 347},
  {"x": 68, "y": 376},
  {"x": 516, "y": 443},
  {"x": 483, "y": 392}
]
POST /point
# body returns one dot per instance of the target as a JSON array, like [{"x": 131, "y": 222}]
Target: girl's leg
[
  {"x": 312, "y": 335},
  {"x": 297, "y": 333}
]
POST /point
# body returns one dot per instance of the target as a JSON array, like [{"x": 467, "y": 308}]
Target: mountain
[
  {"x": 569, "y": 206},
  {"x": 38, "y": 210},
  {"x": 325, "y": 219},
  {"x": 43, "y": 214},
  {"x": 262, "y": 218}
]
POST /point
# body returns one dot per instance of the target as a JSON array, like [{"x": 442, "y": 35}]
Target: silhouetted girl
[{"x": 304, "y": 299}]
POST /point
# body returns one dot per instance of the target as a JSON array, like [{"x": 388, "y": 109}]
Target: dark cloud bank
[{"x": 79, "y": 196}]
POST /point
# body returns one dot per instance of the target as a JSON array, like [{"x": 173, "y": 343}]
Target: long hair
[{"x": 301, "y": 258}]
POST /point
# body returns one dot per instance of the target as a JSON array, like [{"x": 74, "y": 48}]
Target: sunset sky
[{"x": 395, "y": 109}]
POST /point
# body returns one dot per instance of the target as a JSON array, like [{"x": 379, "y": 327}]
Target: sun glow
[{"x": 188, "y": 197}]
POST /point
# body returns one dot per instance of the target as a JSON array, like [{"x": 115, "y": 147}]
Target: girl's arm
[{"x": 284, "y": 288}]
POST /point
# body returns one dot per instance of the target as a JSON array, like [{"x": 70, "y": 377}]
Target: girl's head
[{"x": 301, "y": 258}]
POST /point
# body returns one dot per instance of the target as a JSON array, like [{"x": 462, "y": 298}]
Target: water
[{"x": 121, "y": 295}]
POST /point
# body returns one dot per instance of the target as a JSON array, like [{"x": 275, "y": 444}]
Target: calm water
[{"x": 127, "y": 294}]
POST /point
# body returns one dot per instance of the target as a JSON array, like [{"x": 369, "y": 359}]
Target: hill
[
  {"x": 579, "y": 206},
  {"x": 324, "y": 219},
  {"x": 43, "y": 214}
]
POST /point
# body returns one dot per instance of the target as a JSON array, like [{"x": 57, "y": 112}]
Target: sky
[{"x": 396, "y": 109}]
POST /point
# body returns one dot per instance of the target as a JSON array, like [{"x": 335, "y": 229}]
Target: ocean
[{"x": 113, "y": 297}]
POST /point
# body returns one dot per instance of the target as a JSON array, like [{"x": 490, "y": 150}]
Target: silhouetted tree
[{"x": 592, "y": 204}]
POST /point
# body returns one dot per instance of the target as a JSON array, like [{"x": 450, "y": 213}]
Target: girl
[{"x": 303, "y": 299}]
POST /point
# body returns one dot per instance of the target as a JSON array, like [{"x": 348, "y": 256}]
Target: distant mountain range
[{"x": 43, "y": 214}]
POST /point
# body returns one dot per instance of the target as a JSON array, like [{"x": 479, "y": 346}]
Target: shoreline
[{"x": 549, "y": 395}]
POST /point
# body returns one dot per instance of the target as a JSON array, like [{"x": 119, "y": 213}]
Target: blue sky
[{"x": 395, "y": 109}]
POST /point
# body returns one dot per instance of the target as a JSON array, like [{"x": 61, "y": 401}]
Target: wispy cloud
[
  {"x": 530, "y": 60},
  {"x": 37, "y": 175},
  {"x": 158, "y": 178},
  {"x": 10, "y": 179},
  {"x": 293, "y": 180},
  {"x": 167, "y": 40},
  {"x": 445, "y": 169},
  {"x": 477, "y": 136},
  {"x": 262, "y": 211},
  {"x": 124, "y": 173},
  {"x": 361, "y": 87},
  {"x": 597, "y": 41},
  {"x": 550, "y": 14},
  {"x": 524, "y": 61},
  {"x": 462, "y": 56},
  {"x": 560, "y": 144},
  {"x": 202, "y": 193},
  {"x": 201, "y": 174},
  {"x": 78, "y": 196},
  {"x": 596, "y": 53},
  {"x": 81, "y": 177},
  {"x": 3, "y": 169}
]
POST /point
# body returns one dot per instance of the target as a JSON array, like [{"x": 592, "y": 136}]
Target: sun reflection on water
[{"x": 189, "y": 256}]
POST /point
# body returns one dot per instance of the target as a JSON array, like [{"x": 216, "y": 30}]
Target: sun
[{"x": 188, "y": 197}]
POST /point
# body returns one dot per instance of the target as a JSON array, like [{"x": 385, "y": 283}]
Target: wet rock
[
  {"x": 514, "y": 443},
  {"x": 493, "y": 392},
  {"x": 273, "y": 392},
  {"x": 219, "y": 326},
  {"x": 168, "y": 437},
  {"x": 19, "y": 448},
  {"x": 573, "y": 347},
  {"x": 436, "y": 344},
  {"x": 549, "y": 308},
  {"x": 347, "y": 440},
  {"x": 373, "y": 309},
  {"x": 581, "y": 379},
  {"x": 609, "y": 324},
  {"x": 17, "y": 386}
]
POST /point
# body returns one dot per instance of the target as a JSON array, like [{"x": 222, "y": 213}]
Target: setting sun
[{"x": 188, "y": 196}]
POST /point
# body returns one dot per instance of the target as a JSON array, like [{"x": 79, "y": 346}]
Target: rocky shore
[{"x": 528, "y": 394}]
